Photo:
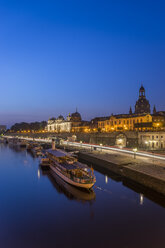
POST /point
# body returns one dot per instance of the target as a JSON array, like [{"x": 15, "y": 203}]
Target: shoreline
[{"x": 148, "y": 172}]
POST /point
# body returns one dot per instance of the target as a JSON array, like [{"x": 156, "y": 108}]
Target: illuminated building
[
  {"x": 140, "y": 120},
  {"x": 83, "y": 127},
  {"x": 94, "y": 124},
  {"x": 151, "y": 140},
  {"x": 60, "y": 124},
  {"x": 125, "y": 122}
]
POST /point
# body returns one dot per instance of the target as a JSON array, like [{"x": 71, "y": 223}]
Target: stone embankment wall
[
  {"x": 103, "y": 163},
  {"x": 148, "y": 175},
  {"x": 110, "y": 138},
  {"x": 94, "y": 138},
  {"x": 145, "y": 179}
]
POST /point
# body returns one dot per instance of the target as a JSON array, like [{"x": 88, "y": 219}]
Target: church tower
[
  {"x": 142, "y": 105},
  {"x": 130, "y": 111},
  {"x": 154, "y": 110}
]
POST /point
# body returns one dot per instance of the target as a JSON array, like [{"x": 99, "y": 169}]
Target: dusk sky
[{"x": 93, "y": 55}]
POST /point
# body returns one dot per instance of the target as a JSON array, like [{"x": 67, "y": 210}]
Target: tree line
[{"x": 33, "y": 126}]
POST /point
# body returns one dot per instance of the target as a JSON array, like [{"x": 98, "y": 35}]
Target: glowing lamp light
[{"x": 135, "y": 150}]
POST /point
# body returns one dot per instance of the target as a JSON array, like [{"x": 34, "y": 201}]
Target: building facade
[
  {"x": 125, "y": 122},
  {"x": 61, "y": 125},
  {"x": 140, "y": 120},
  {"x": 151, "y": 140}
]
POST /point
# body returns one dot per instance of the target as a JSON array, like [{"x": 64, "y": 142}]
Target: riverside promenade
[{"x": 146, "y": 170}]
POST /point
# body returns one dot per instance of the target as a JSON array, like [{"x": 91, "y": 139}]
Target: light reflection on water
[
  {"x": 141, "y": 199},
  {"x": 38, "y": 173},
  {"x": 38, "y": 209}
]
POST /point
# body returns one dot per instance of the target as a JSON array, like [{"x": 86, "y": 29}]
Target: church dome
[
  {"x": 76, "y": 116},
  {"x": 60, "y": 117}
]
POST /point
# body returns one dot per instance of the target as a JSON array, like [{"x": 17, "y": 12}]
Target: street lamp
[
  {"x": 146, "y": 142},
  {"x": 135, "y": 150}
]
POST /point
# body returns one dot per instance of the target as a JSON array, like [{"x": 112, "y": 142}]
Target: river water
[{"x": 38, "y": 210}]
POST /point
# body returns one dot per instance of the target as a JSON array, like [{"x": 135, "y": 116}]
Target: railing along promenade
[
  {"x": 100, "y": 147},
  {"x": 112, "y": 148}
]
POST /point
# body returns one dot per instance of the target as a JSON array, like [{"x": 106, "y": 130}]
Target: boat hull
[{"x": 68, "y": 180}]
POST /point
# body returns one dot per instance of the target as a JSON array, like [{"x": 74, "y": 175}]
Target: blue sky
[{"x": 93, "y": 55}]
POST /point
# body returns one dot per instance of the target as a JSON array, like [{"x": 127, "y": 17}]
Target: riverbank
[{"x": 147, "y": 171}]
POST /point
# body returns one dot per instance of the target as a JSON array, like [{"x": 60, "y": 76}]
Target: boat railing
[{"x": 79, "y": 180}]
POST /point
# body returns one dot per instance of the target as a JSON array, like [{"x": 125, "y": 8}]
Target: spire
[
  {"x": 154, "y": 110},
  {"x": 130, "y": 111}
]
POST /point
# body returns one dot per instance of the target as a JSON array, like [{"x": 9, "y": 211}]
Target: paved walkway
[{"x": 148, "y": 166}]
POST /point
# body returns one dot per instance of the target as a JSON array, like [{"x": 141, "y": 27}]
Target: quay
[
  {"x": 147, "y": 172},
  {"x": 144, "y": 168}
]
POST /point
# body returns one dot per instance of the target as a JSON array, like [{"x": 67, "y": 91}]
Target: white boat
[{"x": 70, "y": 170}]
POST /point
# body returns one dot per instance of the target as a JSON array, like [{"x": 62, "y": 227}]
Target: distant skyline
[{"x": 93, "y": 55}]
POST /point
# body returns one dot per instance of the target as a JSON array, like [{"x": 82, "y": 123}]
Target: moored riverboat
[
  {"x": 70, "y": 169},
  {"x": 44, "y": 163}
]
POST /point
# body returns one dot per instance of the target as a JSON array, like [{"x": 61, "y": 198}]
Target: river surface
[{"x": 38, "y": 210}]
